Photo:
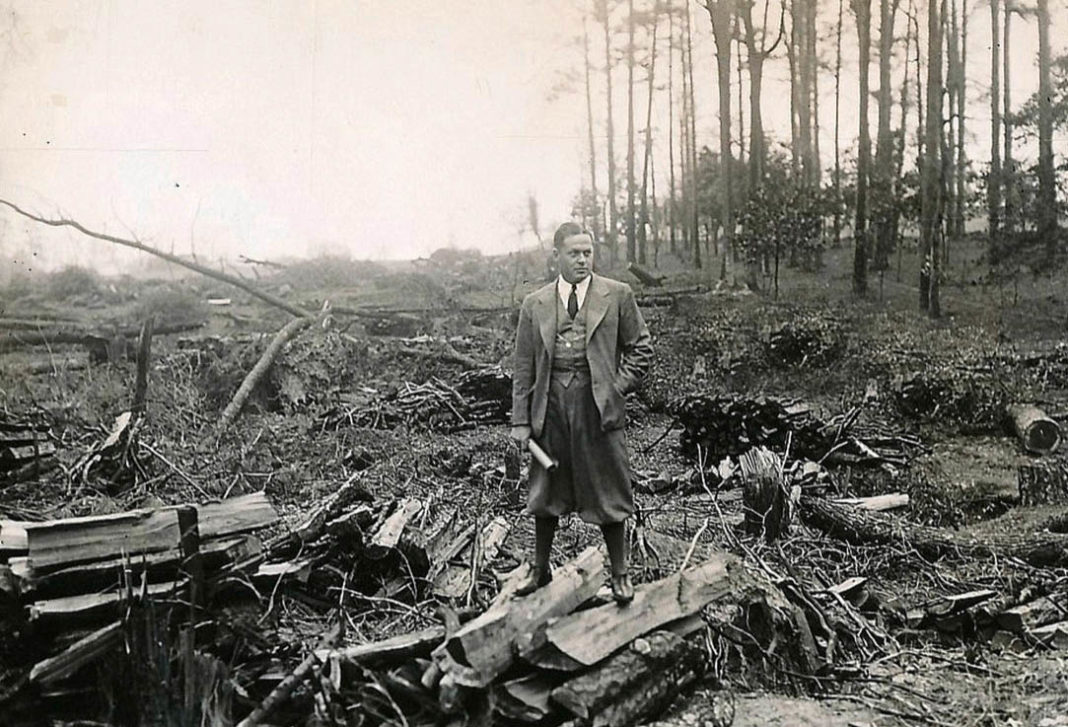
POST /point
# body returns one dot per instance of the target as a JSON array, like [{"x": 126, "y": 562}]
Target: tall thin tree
[
  {"x": 862, "y": 12},
  {"x": 589, "y": 122},
  {"x": 672, "y": 210},
  {"x": 613, "y": 214},
  {"x": 1008, "y": 164},
  {"x": 993, "y": 180},
  {"x": 837, "y": 126},
  {"x": 695, "y": 237},
  {"x": 1047, "y": 190},
  {"x": 721, "y": 12},
  {"x": 932, "y": 196},
  {"x": 631, "y": 191},
  {"x": 643, "y": 222}
]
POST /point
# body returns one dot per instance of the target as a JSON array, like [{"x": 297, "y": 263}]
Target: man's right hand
[{"x": 521, "y": 435}]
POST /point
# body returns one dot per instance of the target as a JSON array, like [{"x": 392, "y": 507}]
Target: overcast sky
[{"x": 377, "y": 128}]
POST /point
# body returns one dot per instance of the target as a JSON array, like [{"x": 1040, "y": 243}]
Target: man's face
[{"x": 574, "y": 258}]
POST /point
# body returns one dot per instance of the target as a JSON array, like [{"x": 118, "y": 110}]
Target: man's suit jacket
[{"x": 618, "y": 348}]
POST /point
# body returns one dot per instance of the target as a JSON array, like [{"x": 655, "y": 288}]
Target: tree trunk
[
  {"x": 1037, "y": 432},
  {"x": 1009, "y": 181},
  {"x": 993, "y": 180},
  {"x": 695, "y": 237},
  {"x": 1047, "y": 183},
  {"x": 884, "y": 154},
  {"x": 862, "y": 11},
  {"x": 647, "y": 155},
  {"x": 962, "y": 103},
  {"x": 672, "y": 212},
  {"x": 589, "y": 124},
  {"x": 613, "y": 215},
  {"x": 721, "y": 13},
  {"x": 837, "y": 127},
  {"x": 631, "y": 213},
  {"x": 932, "y": 196}
]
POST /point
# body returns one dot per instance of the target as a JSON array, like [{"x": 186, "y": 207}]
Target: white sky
[{"x": 383, "y": 129}]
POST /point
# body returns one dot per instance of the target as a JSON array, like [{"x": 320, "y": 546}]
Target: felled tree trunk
[
  {"x": 1037, "y": 432},
  {"x": 862, "y": 527}
]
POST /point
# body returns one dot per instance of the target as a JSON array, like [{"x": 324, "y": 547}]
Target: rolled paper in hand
[{"x": 541, "y": 455}]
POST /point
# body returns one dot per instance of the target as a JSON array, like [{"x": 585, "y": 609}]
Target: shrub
[
  {"x": 328, "y": 271},
  {"x": 171, "y": 307},
  {"x": 73, "y": 281}
]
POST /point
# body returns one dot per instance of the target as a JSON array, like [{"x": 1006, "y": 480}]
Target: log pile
[
  {"x": 805, "y": 341},
  {"x": 475, "y": 398},
  {"x": 25, "y": 451},
  {"x": 973, "y": 401}
]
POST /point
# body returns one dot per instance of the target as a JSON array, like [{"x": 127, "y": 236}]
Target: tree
[
  {"x": 932, "y": 196},
  {"x": 837, "y": 127},
  {"x": 630, "y": 134},
  {"x": 1009, "y": 192},
  {"x": 672, "y": 208},
  {"x": 757, "y": 52},
  {"x": 589, "y": 120},
  {"x": 862, "y": 12},
  {"x": 993, "y": 180},
  {"x": 691, "y": 133},
  {"x": 647, "y": 155},
  {"x": 1047, "y": 221},
  {"x": 613, "y": 216},
  {"x": 721, "y": 13},
  {"x": 884, "y": 153}
]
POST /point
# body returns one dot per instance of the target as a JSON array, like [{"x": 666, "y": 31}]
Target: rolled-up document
[{"x": 541, "y": 455}]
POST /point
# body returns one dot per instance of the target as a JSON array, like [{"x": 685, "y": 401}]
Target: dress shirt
[{"x": 563, "y": 289}]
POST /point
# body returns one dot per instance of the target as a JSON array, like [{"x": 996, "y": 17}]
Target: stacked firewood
[
  {"x": 475, "y": 398},
  {"x": 25, "y": 451},
  {"x": 728, "y": 425}
]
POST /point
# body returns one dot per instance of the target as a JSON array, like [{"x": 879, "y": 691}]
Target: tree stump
[
  {"x": 1037, "y": 432},
  {"x": 766, "y": 498}
]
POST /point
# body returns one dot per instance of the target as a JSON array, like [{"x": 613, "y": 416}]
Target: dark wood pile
[
  {"x": 805, "y": 341},
  {"x": 728, "y": 425},
  {"x": 974, "y": 401},
  {"x": 474, "y": 398},
  {"x": 25, "y": 451}
]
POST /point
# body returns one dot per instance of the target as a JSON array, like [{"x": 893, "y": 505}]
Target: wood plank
[
  {"x": 235, "y": 515},
  {"x": 1053, "y": 636},
  {"x": 85, "y": 539},
  {"x": 877, "y": 503},
  {"x": 109, "y": 573},
  {"x": 389, "y": 651},
  {"x": 1033, "y": 615},
  {"x": 13, "y": 537},
  {"x": 24, "y": 452},
  {"x": 83, "y": 651},
  {"x": 525, "y": 700},
  {"x": 486, "y": 646},
  {"x": 591, "y": 635},
  {"x": 71, "y": 608}
]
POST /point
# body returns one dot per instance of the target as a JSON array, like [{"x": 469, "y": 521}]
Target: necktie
[{"x": 572, "y": 302}]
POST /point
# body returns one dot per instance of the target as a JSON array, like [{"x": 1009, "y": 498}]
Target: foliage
[
  {"x": 327, "y": 271},
  {"x": 73, "y": 281},
  {"x": 783, "y": 216},
  {"x": 170, "y": 306}
]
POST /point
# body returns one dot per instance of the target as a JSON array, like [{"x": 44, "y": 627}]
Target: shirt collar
[{"x": 563, "y": 288}]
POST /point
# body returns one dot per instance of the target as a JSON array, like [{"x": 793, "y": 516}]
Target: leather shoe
[
  {"x": 539, "y": 576},
  {"x": 622, "y": 589}
]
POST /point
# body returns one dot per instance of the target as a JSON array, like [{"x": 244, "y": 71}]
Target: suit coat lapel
[
  {"x": 596, "y": 305},
  {"x": 546, "y": 305}
]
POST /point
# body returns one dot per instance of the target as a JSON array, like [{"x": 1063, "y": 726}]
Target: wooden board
[
  {"x": 72, "y": 608},
  {"x": 591, "y": 635},
  {"x": 85, "y": 539},
  {"x": 84, "y": 651},
  {"x": 456, "y": 579},
  {"x": 235, "y": 515}
]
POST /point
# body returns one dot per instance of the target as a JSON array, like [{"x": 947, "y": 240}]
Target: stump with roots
[{"x": 767, "y": 498}]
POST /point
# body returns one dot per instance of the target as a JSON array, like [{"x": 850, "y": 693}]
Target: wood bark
[
  {"x": 993, "y": 179},
  {"x": 722, "y": 14},
  {"x": 589, "y": 123},
  {"x": 861, "y": 527},
  {"x": 647, "y": 155},
  {"x": 631, "y": 191},
  {"x": 1047, "y": 182},
  {"x": 932, "y": 199},
  {"x": 1041, "y": 483},
  {"x": 84, "y": 651},
  {"x": 691, "y": 137},
  {"x": 611, "y": 233},
  {"x": 588, "y": 695},
  {"x": 457, "y": 580},
  {"x": 387, "y": 535}
]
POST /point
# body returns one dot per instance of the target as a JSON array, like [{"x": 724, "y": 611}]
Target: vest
[{"x": 569, "y": 351}]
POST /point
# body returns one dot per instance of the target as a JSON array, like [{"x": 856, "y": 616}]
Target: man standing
[{"x": 581, "y": 346}]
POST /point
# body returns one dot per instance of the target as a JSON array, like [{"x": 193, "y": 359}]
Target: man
[{"x": 581, "y": 346}]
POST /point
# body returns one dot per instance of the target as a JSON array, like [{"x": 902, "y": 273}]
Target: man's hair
[{"x": 567, "y": 230}]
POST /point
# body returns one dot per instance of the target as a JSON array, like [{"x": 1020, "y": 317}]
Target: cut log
[
  {"x": 862, "y": 527},
  {"x": 1043, "y": 483},
  {"x": 1037, "y": 432},
  {"x": 84, "y": 539},
  {"x": 591, "y": 693},
  {"x": 391, "y": 651},
  {"x": 84, "y": 651},
  {"x": 72, "y": 609},
  {"x": 877, "y": 503},
  {"x": 235, "y": 515},
  {"x": 1052, "y": 636},
  {"x": 17, "y": 455},
  {"x": 13, "y": 538},
  {"x": 589, "y": 636},
  {"x": 486, "y": 646},
  {"x": 456, "y": 580},
  {"x": 1037, "y": 613},
  {"x": 646, "y": 277}
]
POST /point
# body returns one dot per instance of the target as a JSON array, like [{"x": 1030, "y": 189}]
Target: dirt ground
[{"x": 963, "y": 476}]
